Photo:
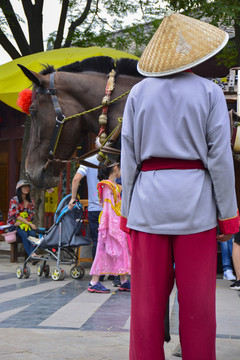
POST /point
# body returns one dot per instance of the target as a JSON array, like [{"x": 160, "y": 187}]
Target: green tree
[
  {"x": 225, "y": 13},
  {"x": 90, "y": 22}
]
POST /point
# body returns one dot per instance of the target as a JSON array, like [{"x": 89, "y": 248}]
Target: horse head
[{"x": 57, "y": 96}]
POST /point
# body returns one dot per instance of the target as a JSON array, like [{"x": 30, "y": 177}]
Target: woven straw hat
[{"x": 180, "y": 43}]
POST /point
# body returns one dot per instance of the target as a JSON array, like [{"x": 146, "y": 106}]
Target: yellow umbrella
[{"x": 12, "y": 79}]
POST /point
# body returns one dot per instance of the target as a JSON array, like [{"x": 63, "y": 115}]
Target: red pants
[{"x": 152, "y": 279}]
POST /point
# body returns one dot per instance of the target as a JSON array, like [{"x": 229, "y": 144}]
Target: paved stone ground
[{"x": 45, "y": 319}]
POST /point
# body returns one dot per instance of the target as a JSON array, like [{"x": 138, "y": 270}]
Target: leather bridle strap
[{"x": 60, "y": 118}]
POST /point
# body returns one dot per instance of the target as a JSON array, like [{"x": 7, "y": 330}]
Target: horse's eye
[{"x": 32, "y": 112}]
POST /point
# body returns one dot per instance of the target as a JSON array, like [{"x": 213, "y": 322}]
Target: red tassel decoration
[
  {"x": 24, "y": 100},
  {"x": 83, "y": 231}
]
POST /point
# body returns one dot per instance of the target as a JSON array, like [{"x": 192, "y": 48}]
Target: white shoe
[
  {"x": 228, "y": 275},
  {"x": 34, "y": 240}
]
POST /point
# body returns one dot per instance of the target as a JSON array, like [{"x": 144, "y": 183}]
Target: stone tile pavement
[{"x": 45, "y": 319}]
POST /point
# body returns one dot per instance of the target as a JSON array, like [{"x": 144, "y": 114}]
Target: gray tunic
[{"x": 185, "y": 117}]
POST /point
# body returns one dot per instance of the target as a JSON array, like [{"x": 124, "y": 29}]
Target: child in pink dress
[{"x": 113, "y": 255}]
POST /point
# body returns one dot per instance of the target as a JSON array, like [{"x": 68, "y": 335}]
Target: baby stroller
[{"x": 60, "y": 243}]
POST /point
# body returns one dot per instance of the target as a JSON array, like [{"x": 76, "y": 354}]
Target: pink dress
[{"x": 113, "y": 255}]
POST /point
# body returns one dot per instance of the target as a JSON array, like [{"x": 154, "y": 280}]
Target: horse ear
[{"x": 31, "y": 75}]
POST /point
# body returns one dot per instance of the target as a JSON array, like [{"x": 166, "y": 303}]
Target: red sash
[{"x": 170, "y": 163}]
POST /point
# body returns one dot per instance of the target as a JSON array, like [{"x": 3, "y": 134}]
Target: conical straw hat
[{"x": 180, "y": 43}]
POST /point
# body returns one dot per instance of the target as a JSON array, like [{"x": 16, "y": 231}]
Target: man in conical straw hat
[{"x": 178, "y": 185}]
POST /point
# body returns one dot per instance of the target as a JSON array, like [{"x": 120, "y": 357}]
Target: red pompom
[{"x": 24, "y": 100}]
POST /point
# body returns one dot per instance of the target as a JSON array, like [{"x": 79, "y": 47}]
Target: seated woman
[{"x": 21, "y": 213}]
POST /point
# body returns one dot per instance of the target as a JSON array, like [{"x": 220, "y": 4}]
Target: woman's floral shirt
[{"x": 15, "y": 208}]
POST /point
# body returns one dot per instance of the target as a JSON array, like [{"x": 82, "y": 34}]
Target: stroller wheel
[
  {"x": 82, "y": 272},
  {"x": 63, "y": 274},
  {"x": 46, "y": 270},
  {"x": 56, "y": 274},
  {"x": 26, "y": 272},
  {"x": 39, "y": 270},
  {"x": 19, "y": 272},
  {"x": 77, "y": 272}
]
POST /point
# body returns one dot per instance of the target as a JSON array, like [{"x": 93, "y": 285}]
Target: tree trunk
[
  {"x": 35, "y": 24},
  {"x": 59, "y": 38},
  {"x": 76, "y": 23}
]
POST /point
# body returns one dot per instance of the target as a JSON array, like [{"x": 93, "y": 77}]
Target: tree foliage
[
  {"x": 103, "y": 23},
  {"x": 223, "y": 13},
  {"x": 89, "y": 22}
]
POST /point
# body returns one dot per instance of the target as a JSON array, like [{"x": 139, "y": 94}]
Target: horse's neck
[
  {"x": 96, "y": 91},
  {"x": 89, "y": 88},
  {"x": 89, "y": 91}
]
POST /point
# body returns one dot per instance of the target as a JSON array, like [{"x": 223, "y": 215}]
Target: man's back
[{"x": 186, "y": 118}]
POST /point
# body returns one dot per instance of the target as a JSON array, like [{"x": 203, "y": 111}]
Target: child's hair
[
  {"x": 104, "y": 173},
  {"x": 19, "y": 195}
]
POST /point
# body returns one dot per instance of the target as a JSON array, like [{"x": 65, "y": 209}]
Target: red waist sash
[{"x": 155, "y": 163}]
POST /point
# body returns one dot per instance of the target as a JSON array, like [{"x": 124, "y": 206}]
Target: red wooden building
[{"x": 11, "y": 135}]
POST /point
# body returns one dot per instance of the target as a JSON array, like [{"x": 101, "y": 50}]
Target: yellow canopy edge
[{"x": 12, "y": 79}]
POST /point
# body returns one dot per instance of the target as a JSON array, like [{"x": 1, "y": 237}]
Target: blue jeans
[
  {"x": 93, "y": 225},
  {"x": 28, "y": 246},
  {"x": 226, "y": 249}
]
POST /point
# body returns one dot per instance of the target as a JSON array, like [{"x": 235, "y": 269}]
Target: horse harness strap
[
  {"x": 60, "y": 118},
  {"x": 81, "y": 159}
]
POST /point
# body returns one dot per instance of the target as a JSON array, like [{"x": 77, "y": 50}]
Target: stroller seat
[{"x": 60, "y": 242}]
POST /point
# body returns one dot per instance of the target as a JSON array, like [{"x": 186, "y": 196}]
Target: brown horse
[{"x": 70, "y": 90}]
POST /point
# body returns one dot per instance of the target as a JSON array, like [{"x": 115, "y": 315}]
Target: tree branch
[
  {"x": 104, "y": 21},
  {"x": 15, "y": 27},
  {"x": 61, "y": 25},
  {"x": 35, "y": 20},
  {"x": 27, "y": 7},
  {"x": 8, "y": 46},
  {"x": 76, "y": 23}
]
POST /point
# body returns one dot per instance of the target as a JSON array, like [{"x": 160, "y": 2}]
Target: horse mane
[
  {"x": 102, "y": 64},
  {"x": 48, "y": 69}
]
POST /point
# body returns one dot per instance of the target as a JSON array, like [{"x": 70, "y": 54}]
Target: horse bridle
[
  {"x": 60, "y": 120},
  {"x": 52, "y": 91}
]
